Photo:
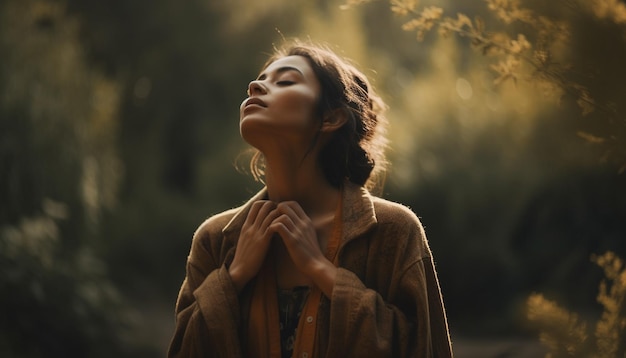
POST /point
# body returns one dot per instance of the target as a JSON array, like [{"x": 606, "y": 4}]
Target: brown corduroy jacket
[{"x": 386, "y": 301}]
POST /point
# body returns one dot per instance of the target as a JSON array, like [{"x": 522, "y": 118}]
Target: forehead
[{"x": 297, "y": 63}]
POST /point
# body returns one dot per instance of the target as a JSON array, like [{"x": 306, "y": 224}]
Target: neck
[{"x": 302, "y": 181}]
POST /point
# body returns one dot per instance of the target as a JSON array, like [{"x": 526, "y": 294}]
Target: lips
[{"x": 254, "y": 101}]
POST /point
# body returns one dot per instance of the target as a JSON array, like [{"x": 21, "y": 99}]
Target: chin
[{"x": 252, "y": 133}]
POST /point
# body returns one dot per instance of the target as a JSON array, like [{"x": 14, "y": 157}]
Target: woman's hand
[
  {"x": 254, "y": 241},
  {"x": 300, "y": 238}
]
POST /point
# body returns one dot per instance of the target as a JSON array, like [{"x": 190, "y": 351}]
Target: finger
[
  {"x": 297, "y": 209},
  {"x": 285, "y": 224},
  {"x": 265, "y": 225},
  {"x": 281, "y": 229},
  {"x": 289, "y": 221},
  {"x": 264, "y": 211},
  {"x": 293, "y": 209},
  {"x": 254, "y": 210},
  {"x": 269, "y": 218}
]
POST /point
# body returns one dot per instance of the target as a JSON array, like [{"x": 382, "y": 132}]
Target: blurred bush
[
  {"x": 567, "y": 334},
  {"x": 59, "y": 173},
  {"x": 58, "y": 302}
]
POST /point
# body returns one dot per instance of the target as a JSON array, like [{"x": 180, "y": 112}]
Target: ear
[{"x": 334, "y": 120}]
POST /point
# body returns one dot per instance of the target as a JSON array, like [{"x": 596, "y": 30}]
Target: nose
[{"x": 256, "y": 88}]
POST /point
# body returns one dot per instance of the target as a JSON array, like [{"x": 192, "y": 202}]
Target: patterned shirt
[{"x": 290, "y": 304}]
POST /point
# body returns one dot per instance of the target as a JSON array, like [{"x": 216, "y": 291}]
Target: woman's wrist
[
  {"x": 236, "y": 276},
  {"x": 324, "y": 274}
]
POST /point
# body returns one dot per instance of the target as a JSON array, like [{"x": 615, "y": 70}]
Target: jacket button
[{"x": 309, "y": 319}]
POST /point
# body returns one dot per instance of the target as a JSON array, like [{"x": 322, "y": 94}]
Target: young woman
[{"x": 313, "y": 265}]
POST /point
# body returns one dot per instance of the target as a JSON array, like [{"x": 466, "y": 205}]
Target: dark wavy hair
[{"x": 356, "y": 150}]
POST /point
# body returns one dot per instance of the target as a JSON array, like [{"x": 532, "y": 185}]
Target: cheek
[{"x": 301, "y": 106}]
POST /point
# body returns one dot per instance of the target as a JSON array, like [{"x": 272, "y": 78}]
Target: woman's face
[{"x": 281, "y": 104}]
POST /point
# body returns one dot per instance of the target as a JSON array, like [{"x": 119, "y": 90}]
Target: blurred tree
[
  {"x": 552, "y": 44},
  {"x": 60, "y": 172},
  {"x": 183, "y": 69},
  {"x": 512, "y": 157},
  {"x": 58, "y": 118}
]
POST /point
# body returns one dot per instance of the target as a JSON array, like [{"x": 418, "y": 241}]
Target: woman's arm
[
  {"x": 386, "y": 301},
  {"x": 207, "y": 309},
  {"x": 363, "y": 323}
]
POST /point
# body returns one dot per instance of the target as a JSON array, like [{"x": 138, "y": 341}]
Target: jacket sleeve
[
  {"x": 403, "y": 317},
  {"x": 207, "y": 309}
]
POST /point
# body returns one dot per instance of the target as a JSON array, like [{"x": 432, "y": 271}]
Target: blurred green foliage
[
  {"x": 57, "y": 303},
  {"x": 119, "y": 135}
]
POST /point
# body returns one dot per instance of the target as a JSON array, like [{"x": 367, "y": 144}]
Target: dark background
[{"x": 119, "y": 135}]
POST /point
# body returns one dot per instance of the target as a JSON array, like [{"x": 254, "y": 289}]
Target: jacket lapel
[{"x": 358, "y": 212}]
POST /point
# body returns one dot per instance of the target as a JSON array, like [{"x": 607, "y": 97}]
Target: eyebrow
[{"x": 280, "y": 70}]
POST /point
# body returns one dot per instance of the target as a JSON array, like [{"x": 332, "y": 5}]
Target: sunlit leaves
[
  {"x": 547, "y": 34},
  {"x": 585, "y": 101},
  {"x": 506, "y": 69},
  {"x": 562, "y": 331},
  {"x": 612, "y": 296},
  {"x": 424, "y": 22},
  {"x": 531, "y": 45},
  {"x": 352, "y": 3},
  {"x": 403, "y": 7},
  {"x": 590, "y": 138},
  {"x": 509, "y": 11},
  {"x": 519, "y": 45},
  {"x": 461, "y": 25},
  {"x": 614, "y": 10}
]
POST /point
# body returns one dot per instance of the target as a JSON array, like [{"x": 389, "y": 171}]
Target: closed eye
[{"x": 285, "y": 83}]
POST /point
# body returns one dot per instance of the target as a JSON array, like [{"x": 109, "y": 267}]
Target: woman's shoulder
[
  {"x": 399, "y": 222},
  {"x": 209, "y": 237},
  {"x": 214, "y": 224},
  {"x": 388, "y": 211}
]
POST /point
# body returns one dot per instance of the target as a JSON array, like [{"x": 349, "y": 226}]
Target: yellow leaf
[{"x": 590, "y": 138}]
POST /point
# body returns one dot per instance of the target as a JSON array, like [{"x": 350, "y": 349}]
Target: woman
[{"x": 313, "y": 265}]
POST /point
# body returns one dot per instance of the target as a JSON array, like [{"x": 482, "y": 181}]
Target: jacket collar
[
  {"x": 233, "y": 228},
  {"x": 358, "y": 215}
]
